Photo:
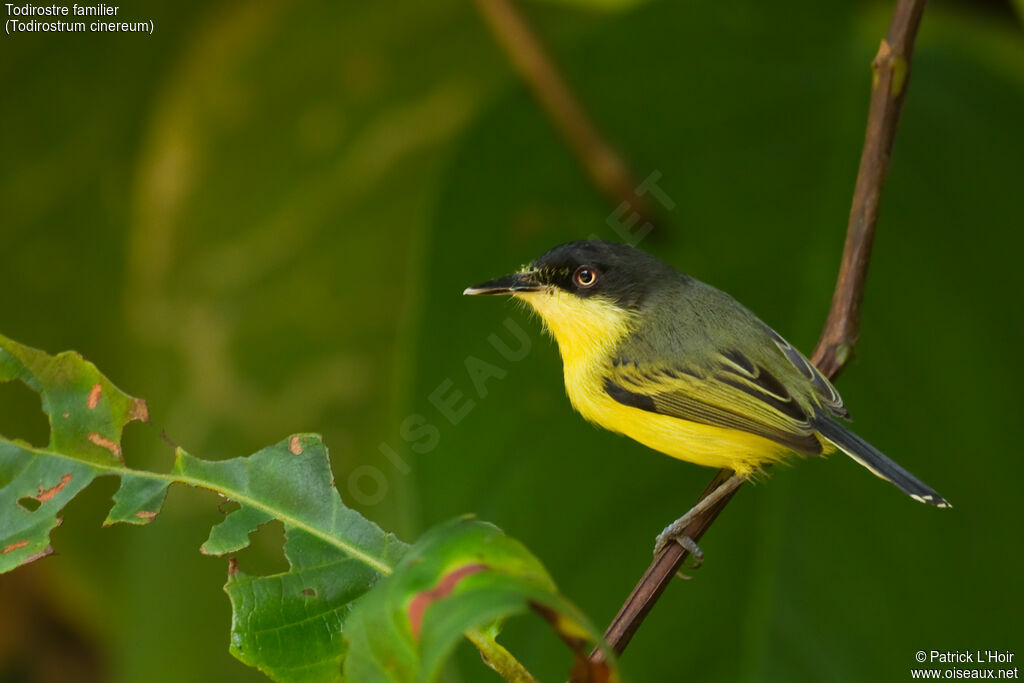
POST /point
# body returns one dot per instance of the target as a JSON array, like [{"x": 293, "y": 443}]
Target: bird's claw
[{"x": 670, "y": 535}]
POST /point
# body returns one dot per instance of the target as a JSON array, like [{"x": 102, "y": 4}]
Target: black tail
[{"x": 876, "y": 461}]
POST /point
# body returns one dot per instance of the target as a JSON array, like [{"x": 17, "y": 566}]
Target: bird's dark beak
[{"x": 510, "y": 284}]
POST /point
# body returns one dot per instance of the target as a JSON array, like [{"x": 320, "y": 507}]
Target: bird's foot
[
  {"x": 676, "y": 531},
  {"x": 673, "y": 533}
]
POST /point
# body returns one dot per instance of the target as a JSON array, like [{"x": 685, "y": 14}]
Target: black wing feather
[{"x": 686, "y": 405}]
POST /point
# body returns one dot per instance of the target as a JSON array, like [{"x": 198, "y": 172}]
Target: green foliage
[
  {"x": 754, "y": 121},
  {"x": 295, "y": 626},
  {"x": 460, "y": 576},
  {"x": 290, "y": 625},
  {"x": 265, "y": 212},
  {"x": 87, "y": 414}
]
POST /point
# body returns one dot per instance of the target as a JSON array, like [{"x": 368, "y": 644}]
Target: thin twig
[
  {"x": 599, "y": 160},
  {"x": 890, "y": 68}
]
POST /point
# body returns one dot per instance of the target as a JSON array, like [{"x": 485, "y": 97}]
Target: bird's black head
[{"x": 590, "y": 268}]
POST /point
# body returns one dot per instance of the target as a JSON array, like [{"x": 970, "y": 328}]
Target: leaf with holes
[
  {"x": 464, "y": 576},
  {"x": 87, "y": 414},
  {"x": 353, "y": 596},
  {"x": 290, "y": 625}
]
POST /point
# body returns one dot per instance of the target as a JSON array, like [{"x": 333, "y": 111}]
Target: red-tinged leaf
[
  {"x": 464, "y": 576},
  {"x": 424, "y": 599}
]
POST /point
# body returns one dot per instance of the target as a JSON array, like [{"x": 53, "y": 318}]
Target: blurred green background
[{"x": 261, "y": 218}]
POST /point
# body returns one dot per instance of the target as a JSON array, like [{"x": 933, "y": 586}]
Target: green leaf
[
  {"x": 292, "y": 625},
  {"x": 462, "y": 576},
  {"x": 24, "y": 527},
  {"x": 138, "y": 500},
  {"x": 290, "y": 481},
  {"x": 288, "y": 625},
  {"x": 87, "y": 414}
]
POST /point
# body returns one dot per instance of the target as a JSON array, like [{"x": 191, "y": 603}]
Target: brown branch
[
  {"x": 599, "y": 160},
  {"x": 889, "y": 86},
  {"x": 891, "y": 69}
]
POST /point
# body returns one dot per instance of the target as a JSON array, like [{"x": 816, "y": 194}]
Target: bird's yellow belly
[{"x": 691, "y": 441}]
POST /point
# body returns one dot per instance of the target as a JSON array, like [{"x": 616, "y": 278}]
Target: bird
[{"x": 683, "y": 368}]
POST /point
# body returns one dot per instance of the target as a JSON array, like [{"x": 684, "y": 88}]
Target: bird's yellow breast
[{"x": 587, "y": 332}]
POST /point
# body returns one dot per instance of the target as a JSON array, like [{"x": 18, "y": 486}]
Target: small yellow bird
[{"x": 682, "y": 367}]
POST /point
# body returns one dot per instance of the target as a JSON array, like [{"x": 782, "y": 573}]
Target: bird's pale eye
[{"x": 585, "y": 276}]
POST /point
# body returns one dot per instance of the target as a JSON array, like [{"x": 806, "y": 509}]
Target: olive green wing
[
  {"x": 823, "y": 389},
  {"x": 731, "y": 391}
]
